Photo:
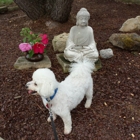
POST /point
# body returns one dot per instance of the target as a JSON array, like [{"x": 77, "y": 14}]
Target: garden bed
[{"x": 115, "y": 111}]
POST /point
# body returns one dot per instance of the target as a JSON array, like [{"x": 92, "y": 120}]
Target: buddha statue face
[
  {"x": 83, "y": 21},
  {"x": 82, "y": 17}
]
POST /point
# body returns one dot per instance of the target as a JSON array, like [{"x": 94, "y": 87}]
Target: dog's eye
[{"x": 35, "y": 84}]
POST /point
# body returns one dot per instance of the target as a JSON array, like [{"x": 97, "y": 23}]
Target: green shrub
[{"x": 5, "y": 2}]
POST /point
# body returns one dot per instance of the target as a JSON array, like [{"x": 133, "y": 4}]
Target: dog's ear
[{"x": 46, "y": 89}]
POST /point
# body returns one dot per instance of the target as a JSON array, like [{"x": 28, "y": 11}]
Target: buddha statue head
[{"x": 82, "y": 17}]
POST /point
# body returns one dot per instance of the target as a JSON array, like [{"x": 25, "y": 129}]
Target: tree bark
[
  {"x": 33, "y": 8},
  {"x": 59, "y": 10}
]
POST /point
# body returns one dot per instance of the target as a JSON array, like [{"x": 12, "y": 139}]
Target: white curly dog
[{"x": 66, "y": 95}]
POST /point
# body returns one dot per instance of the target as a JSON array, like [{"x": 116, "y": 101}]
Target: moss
[
  {"x": 98, "y": 65},
  {"x": 63, "y": 59},
  {"x": 128, "y": 42}
]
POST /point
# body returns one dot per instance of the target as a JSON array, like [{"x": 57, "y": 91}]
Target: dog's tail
[{"x": 82, "y": 67}]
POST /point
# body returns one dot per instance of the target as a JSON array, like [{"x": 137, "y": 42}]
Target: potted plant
[{"x": 33, "y": 44}]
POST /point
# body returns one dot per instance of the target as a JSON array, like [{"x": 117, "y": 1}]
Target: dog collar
[{"x": 51, "y": 97}]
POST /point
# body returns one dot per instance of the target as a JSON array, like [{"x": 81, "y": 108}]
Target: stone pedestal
[
  {"x": 23, "y": 63},
  {"x": 66, "y": 64},
  {"x": 1, "y": 138}
]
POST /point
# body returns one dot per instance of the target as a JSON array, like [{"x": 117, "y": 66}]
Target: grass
[{"x": 5, "y": 2}]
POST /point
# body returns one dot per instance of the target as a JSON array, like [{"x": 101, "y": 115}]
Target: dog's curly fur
[{"x": 70, "y": 92}]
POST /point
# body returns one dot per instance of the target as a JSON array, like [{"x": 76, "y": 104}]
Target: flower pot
[{"x": 35, "y": 57}]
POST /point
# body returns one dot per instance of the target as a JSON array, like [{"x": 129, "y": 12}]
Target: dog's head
[{"x": 43, "y": 83}]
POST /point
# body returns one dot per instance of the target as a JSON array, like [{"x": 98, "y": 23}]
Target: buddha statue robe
[{"x": 81, "y": 45}]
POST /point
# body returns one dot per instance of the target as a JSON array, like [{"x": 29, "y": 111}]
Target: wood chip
[
  {"x": 133, "y": 135},
  {"x": 119, "y": 82},
  {"x": 17, "y": 97},
  {"x": 133, "y": 118},
  {"x": 105, "y": 103}
]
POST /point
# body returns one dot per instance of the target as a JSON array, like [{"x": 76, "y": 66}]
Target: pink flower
[
  {"x": 38, "y": 48},
  {"x": 44, "y": 39},
  {"x": 25, "y": 47}
]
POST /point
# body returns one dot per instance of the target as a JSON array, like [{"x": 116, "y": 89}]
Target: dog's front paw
[{"x": 67, "y": 131}]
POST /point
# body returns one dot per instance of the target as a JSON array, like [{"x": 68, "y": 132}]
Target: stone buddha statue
[{"x": 80, "y": 44}]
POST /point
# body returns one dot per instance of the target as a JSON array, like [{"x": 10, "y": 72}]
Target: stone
[
  {"x": 59, "y": 42},
  {"x": 66, "y": 64},
  {"x": 106, "y": 53},
  {"x": 128, "y": 41},
  {"x": 63, "y": 62},
  {"x": 13, "y": 8},
  {"x": 3, "y": 9},
  {"x": 23, "y": 63},
  {"x": 130, "y": 25},
  {"x": 52, "y": 24}
]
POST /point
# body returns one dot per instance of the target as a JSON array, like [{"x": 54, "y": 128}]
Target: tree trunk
[
  {"x": 49, "y": 6},
  {"x": 59, "y": 10},
  {"x": 33, "y": 8}
]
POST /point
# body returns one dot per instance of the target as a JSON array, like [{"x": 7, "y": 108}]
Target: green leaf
[
  {"x": 31, "y": 53},
  {"x": 24, "y": 39},
  {"x": 45, "y": 51}
]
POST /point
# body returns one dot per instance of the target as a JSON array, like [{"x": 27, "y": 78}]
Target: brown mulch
[{"x": 115, "y": 111}]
